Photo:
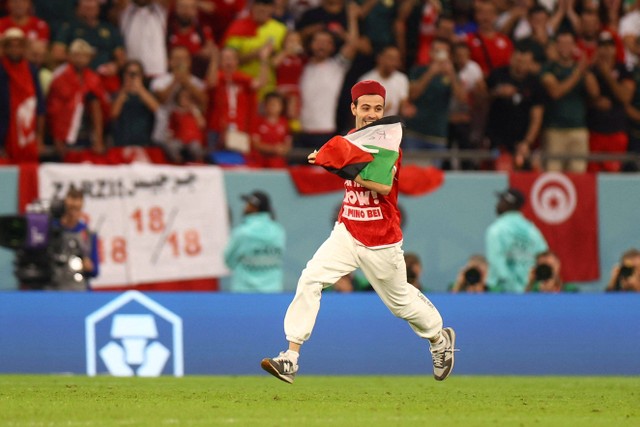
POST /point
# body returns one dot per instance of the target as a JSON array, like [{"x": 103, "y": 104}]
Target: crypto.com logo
[
  {"x": 553, "y": 197},
  {"x": 134, "y": 336}
]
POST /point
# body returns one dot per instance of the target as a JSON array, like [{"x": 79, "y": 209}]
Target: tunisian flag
[{"x": 565, "y": 209}]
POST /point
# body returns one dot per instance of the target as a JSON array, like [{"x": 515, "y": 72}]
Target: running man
[{"x": 375, "y": 246}]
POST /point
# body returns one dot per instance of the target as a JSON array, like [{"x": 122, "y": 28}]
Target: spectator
[
  {"x": 606, "y": 115},
  {"x": 414, "y": 269},
  {"x": 517, "y": 109},
  {"x": 85, "y": 247},
  {"x": 431, "y": 89},
  {"x": 256, "y": 33},
  {"x": 218, "y": 15},
  {"x": 588, "y": 35},
  {"x": 166, "y": 87},
  {"x": 543, "y": 29},
  {"x": 20, "y": 17},
  {"x": 633, "y": 116},
  {"x": 321, "y": 83},
  {"x": 186, "y": 127},
  {"x": 396, "y": 83},
  {"x": 466, "y": 117},
  {"x": 630, "y": 33},
  {"x": 103, "y": 37},
  {"x": 22, "y": 106},
  {"x": 54, "y": 13},
  {"x": 256, "y": 248},
  {"x": 77, "y": 243},
  {"x": 625, "y": 276},
  {"x": 331, "y": 16},
  {"x": 489, "y": 48},
  {"x": 232, "y": 96},
  {"x": 512, "y": 243},
  {"x": 472, "y": 277},
  {"x": 185, "y": 30},
  {"x": 133, "y": 109},
  {"x": 143, "y": 24},
  {"x": 288, "y": 65},
  {"x": 76, "y": 103},
  {"x": 37, "y": 54},
  {"x": 569, "y": 86},
  {"x": 377, "y": 23},
  {"x": 270, "y": 138},
  {"x": 545, "y": 275}
]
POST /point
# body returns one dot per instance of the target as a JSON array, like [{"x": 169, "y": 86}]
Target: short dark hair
[{"x": 74, "y": 193}]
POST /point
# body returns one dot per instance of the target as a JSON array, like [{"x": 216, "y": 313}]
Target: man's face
[
  {"x": 19, "y": 7},
  {"x": 14, "y": 49},
  {"x": 590, "y": 25},
  {"x": 72, "y": 210},
  {"x": 369, "y": 109},
  {"x": 485, "y": 14},
  {"x": 180, "y": 60},
  {"x": 88, "y": 9},
  {"x": 80, "y": 60},
  {"x": 606, "y": 52},
  {"x": 389, "y": 61},
  {"x": 261, "y": 12},
  {"x": 446, "y": 29},
  {"x": 322, "y": 46},
  {"x": 539, "y": 19},
  {"x": 186, "y": 10},
  {"x": 229, "y": 60},
  {"x": 565, "y": 45},
  {"x": 521, "y": 62}
]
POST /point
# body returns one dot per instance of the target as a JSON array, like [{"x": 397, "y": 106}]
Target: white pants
[{"x": 385, "y": 269}]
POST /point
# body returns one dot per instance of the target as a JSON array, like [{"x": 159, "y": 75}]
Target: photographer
[
  {"x": 625, "y": 276},
  {"x": 545, "y": 277},
  {"x": 76, "y": 242},
  {"x": 472, "y": 278}
]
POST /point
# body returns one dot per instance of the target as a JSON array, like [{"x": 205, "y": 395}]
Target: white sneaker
[
  {"x": 280, "y": 367},
  {"x": 443, "y": 359}
]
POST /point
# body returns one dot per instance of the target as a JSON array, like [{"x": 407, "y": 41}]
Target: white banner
[{"x": 154, "y": 223}]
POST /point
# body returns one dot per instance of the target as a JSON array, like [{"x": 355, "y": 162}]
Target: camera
[
  {"x": 472, "y": 276},
  {"x": 46, "y": 256},
  {"x": 543, "y": 272}
]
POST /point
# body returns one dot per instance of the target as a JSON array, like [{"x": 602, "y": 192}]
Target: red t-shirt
[
  {"x": 184, "y": 126},
  {"x": 34, "y": 29},
  {"x": 289, "y": 71},
  {"x": 232, "y": 101},
  {"x": 272, "y": 134},
  {"x": 371, "y": 218},
  {"x": 498, "y": 48},
  {"x": 224, "y": 13},
  {"x": 192, "y": 38}
]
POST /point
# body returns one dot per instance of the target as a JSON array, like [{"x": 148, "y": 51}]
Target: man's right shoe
[
  {"x": 281, "y": 367},
  {"x": 443, "y": 358}
]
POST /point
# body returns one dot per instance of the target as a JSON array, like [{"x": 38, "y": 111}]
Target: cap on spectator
[
  {"x": 13, "y": 33},
  {"x": 605, "y": 38},
  {"x": 513, "y": 197},
  {"x": 367, "y": 87},
  {"x": 258, "y": 199},
  {"x": 81, "y": 46},
  {"x": 264, "y": 1}
]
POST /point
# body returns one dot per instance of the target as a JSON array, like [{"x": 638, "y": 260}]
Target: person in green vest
[{"x": 545, "y": 276}]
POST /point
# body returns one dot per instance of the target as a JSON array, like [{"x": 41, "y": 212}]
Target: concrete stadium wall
[{"x": 228, "y": 334}]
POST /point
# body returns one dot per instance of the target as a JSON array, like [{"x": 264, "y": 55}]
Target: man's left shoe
[
  {"x": 281, "y": 367},
  {"x": 443, "y": 359}
]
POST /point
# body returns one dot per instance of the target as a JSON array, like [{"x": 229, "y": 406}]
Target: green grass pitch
[{"x": 32, "y": 400}]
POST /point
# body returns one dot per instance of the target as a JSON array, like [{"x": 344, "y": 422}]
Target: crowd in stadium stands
[{"x": 541, "y": 85}]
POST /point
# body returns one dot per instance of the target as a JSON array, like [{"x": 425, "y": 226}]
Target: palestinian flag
[{"x": 371, "y": 151}]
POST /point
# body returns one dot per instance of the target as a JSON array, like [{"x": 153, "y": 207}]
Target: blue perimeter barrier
[{"x": 228, "y": 334}]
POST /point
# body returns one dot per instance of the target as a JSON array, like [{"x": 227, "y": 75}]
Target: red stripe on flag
[{"x": 565, "y": 209}]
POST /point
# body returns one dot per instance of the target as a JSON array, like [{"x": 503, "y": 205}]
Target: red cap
[{"x": 367, "y": 87}]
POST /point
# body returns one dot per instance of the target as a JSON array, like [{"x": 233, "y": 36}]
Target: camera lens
[
  {"x": 626, "y": 271},
  {"x": 472, "y": 276},
  {"x": 543, "y": 272}
]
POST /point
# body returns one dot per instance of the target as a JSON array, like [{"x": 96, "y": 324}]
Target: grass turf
[{"x": 319, "y": 401}]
